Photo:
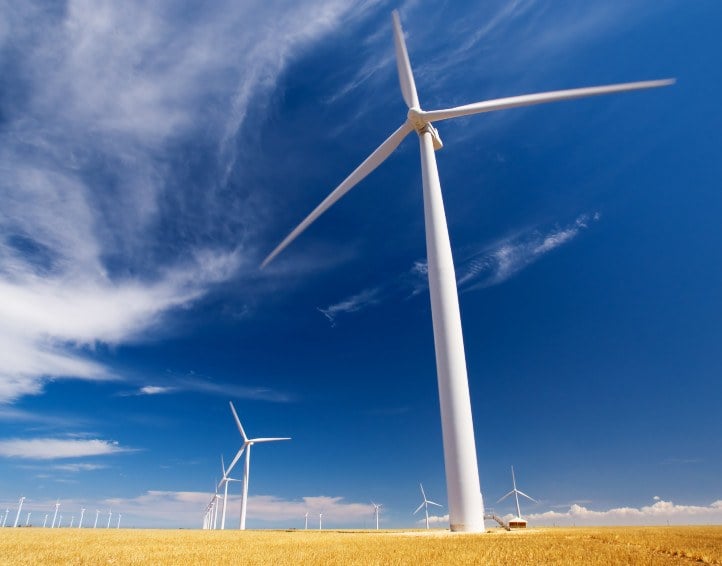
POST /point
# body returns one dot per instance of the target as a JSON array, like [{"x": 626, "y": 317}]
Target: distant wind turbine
[
  {"x": 97, "y": 514},
  {"x": 55, "y": 515},
  {"x": 60, "y": 521},
  {"x": 518, "y": 521},
  {"x": 376, "y": 512},
  {"x": 425, "y": 504},
  {"x": 20, "y": 508},
  {"x": 466, "y": 506},
  {"x": 320, "y": 521},
  {"x": 305, "y": 526},
  {"x": 72, "y": 521},
  {"x": 82, "y": 514},
  {"x": 110, "y": 514},
  {"x": 5, "y": 517},
  {"x": 119, "y": 516},
  {"x": 225, "y": 480},
  {"x": 247, "y": 443},
  {"x": 45, "y": 521},
  {"x": 27, "y": 519}
]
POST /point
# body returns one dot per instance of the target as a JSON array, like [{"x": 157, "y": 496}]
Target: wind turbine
[
  {"x": 55, "y": 515},
  {"x": 20, "y": 508},
  {"x": 45, "y": 521},
  {"x": 27, "y": 519},
  {"x": 119, "y": 516},
  {"x": 425, "y": 504},
  {"x": 305, "y": 526},
  {"x": 376, "y": 512},
  {"x": 97, "y": 514},
  {"x": 60, "y": 521},
  {"x": 517, "y": 521},
  {"x": 72, "y": 521},
  {"x": 320, "y": 521},
  {"x": 225, "y": 480},
  {"x": 5, "y": 517},
  {"x": 110, "y": 514},
  {"x": 466, "y": 507},
  {"x": 82, "y": 514},
  {"x": 247, "y": 443}
]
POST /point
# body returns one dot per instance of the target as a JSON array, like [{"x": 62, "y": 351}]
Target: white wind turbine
[
  {"x": 97, "y": 514},
  {"x": 305, "y": 526},
  {"x": 20, "y": 508},
  {"x": 225, "y": 480},
  {"x": 119, "y": 516},
  {"x": 517, "y": 521},
  {"x": 466, "y": 508},
  {"x": 376, "y": 512},
  {"x": 55, "y": 515},
  {"x": 110, "y": 514},
  {"x": 45, "y": 521},
  {"x": 247, "y": 443},
  {"x": 425, "y": 504},
  {"x": 5, "y": 517},
  {"x": 320, "y": 521},
  {"x": 82, "y": 514},
  {"x": 27, "y": 519}
]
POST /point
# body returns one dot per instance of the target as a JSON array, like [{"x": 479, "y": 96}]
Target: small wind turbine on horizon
[
  {"x": 377, "y": 507},
  {"x": 305, "y": 526},
  {"x": 517, "y": 521},
  {"x": 425, "y": 504},
  {"x": 466, "y": 506},
  {"x": 97, "y": 514},
  {"x": 247, "y": 443},
  {"x": 82, "y": 514},
  {"x": 20, "y": 508},
  {"x": 110, "y": 514},
  {"x": 55, "y": 515}
]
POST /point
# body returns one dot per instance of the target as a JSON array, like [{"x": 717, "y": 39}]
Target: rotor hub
[{"x": 422, "y": 126}]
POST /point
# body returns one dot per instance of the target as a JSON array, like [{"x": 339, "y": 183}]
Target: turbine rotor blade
[
  {"x": 235, "y": 460},
  {"x": 419, "y": 508},
  {"x": 434, "y": 503},
  {"x": 238, "y": 422},
  {"x": 258, "y": 440},
  {"x": 403, "y": 65},
  {"x": 507, "y": 495},
  {"x": 525, "y": 495},
  {"x": 369, "y": 164},
  {"x": 538, "y": 98}
]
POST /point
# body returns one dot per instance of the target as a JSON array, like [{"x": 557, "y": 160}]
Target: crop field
[{"x": 589, "y": 546}]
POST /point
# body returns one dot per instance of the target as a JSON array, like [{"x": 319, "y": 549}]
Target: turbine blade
[
  {"x": 507, "y": 495},
  {"x": 525, "y": 495},
  {"x": 257, "y": 440},
  {"x": 434, "y": 503},
  {"x": 403, "y": 65},
  {"x": 422, "y": 491},
  {"x": 419, "y": 508},
  {"x": 538, "y": 98},
  {"x": 238, "y": 422},
  {"x": 235, "y": 459},
  {"x": 371, "y": 162}
]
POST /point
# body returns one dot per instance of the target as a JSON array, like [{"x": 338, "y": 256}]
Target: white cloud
[
  {"x": 154, "y": 390},
  {"x": 355, "y": 303},
  {"x": 57, "y": 448},
  {"x": 185, "y": 508},
  {"x": 99, "y": 235},
  {"x": 658, "y": 513},
  {"x": 79, "y": 467}
]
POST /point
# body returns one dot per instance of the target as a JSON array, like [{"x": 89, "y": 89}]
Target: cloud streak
[
  {"x": 58, "y": 448},
  {"x": 482, "y": 267}
]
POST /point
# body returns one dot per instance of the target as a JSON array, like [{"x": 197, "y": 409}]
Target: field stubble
[{"x": 589, "y": 546}]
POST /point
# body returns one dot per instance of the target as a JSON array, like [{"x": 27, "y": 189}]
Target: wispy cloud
[
  {"x": 102, "y": 229},
  {"x": 58, "y": 448},
  {"x": 479, "y": 268},
  {"x": 658, "y": 513}
]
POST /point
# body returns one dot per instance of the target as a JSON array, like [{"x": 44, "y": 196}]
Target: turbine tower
[
  {"x": 516, "y": 522},
  {"x": 97, "y": 514},
  {"x": 305, "y": 526},
  {"x": 466, "y": 508},
  {"x": 247, "y": 443},
  {"x": 82, "y": 514},
  {"x": 425, "y": 504},
  {"x": 376, "y": 512}
]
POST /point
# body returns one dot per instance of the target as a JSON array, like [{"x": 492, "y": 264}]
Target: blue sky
[{"x": 152, "y": 157}]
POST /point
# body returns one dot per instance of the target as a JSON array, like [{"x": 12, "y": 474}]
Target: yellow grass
[{"x": 588, "y": 546}]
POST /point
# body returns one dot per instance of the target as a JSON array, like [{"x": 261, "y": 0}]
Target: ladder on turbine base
[{"x": 491, "y": 516}]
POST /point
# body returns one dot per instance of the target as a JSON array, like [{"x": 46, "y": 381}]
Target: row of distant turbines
[{"x": 57, "y": 520}]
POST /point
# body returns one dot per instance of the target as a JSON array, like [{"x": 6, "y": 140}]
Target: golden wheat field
[{"x": 588, "y": 546}]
